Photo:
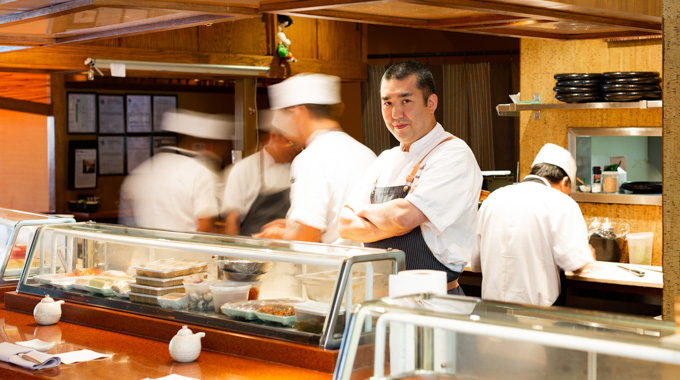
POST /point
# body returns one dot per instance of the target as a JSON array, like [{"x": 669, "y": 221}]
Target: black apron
[
  {"x": 266, "y": 208},
  {"x": 418, "y": 254},
  {"x": 561, "y": 299}
]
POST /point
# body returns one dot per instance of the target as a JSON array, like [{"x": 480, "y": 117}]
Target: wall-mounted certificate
[
  {"x": 82, "y": 113},
  {"x": 82, "y": 164},
  {"x": 138, "y": 113},
  {"x": 161, "y": 105},
  {"x": 138, "y": 151},
  {"x": 161, "y": 141},
  {"x": 111, "y": 114},
  {"x": 111, "y": 155}
]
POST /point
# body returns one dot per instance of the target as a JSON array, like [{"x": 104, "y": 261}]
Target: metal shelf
[
  {"x": 513, "y": 109},
  {"x": 618, "y": 198}
]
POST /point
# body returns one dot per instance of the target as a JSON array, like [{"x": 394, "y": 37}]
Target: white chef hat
[
  {"x": 558, "y": 156},
  {"x": 199, "y": 124},
  {"x": 305, "y": 89}
]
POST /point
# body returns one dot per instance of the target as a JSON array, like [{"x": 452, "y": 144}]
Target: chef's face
[
  {"x": 285, "y": 121},
  {"x": 407, "y": 115},
  {"x": 283, "y": 149}
]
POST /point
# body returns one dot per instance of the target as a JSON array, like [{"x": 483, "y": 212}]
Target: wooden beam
[
  {"x": 47, "y": 12},
  {"x": 473, "y": 21},
  {"x": 310, "y": 5},
  {"x": 653, "y": 24},
  {"x": 670, "y": 159},
  {"x": 512, "y": 24},
  {"x": 144, "y": 28},
  {"x": 214, "y": 9},
  {"x": 362, "y": 18},
  {"x": 25, "y": 106},
  {"x": 71, "y": 58}
]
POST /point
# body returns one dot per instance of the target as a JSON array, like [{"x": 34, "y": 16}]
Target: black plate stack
[
  {"x": 578, "y": 87},
  {"x": 629, "y": 86}
]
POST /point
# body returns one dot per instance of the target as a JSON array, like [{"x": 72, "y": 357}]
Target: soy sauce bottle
[{"x": 597, "y": 179}]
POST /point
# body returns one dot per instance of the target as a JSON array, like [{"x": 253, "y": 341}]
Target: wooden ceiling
[{"x": 48, "y": 22}]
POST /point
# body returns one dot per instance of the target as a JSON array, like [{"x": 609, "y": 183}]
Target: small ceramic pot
[
  {"x": 47, "y": 311},
  {"x": 186, "y": 346}
]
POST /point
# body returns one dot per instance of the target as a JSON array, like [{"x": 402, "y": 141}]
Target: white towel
[{"x": 26, "y": 357}]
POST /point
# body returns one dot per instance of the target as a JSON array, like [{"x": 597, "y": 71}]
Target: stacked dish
[
  {"x": 578, "y": 87},
  {"x": 626, "y": 86},
  {"x": 162, "y": 282}
]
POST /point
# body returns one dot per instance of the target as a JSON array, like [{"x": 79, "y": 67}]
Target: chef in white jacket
[{"x": 529, "y": 231}]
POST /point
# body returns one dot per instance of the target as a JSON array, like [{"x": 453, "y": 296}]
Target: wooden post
[
  {"x": 245, "y": 115},
  {"x": 671, "y": 157},
  {"x": 58, "y": 158}
]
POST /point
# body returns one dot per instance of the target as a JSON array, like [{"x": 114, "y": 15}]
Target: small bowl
[
  {"x": 242, "y": 277},
  {"x": 584, "y": 188},
  {"x": 244, "y": 266}
]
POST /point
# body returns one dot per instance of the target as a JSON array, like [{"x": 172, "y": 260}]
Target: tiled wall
[{"x": 540, "y": 60}]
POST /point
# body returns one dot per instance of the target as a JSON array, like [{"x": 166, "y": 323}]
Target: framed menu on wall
[
  {"x": 82, "y": 168},
  {"x": 138, "y": 113},
  {"x": 138, "y": 151},
  {"x": 82, "y": 113},
  {"x": 111, "y": 155},
  {"x": 161, "y": 105},
  {"x": 111, "y": 114}
]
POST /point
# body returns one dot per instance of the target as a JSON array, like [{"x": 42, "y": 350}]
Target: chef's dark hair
[
  {"x": 554, "y": 174},
  {"x": 404, "y": 69},
  {"x": 325, "y": 111}
]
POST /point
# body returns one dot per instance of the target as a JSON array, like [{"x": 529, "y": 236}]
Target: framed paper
[
  {"x": 82, "y": 113},
  {"x": 138, "y": 151},
  {"x": 161, "y": 105},
  {"x": 138, "y": 113},
  {"x": 163, "y": 140},
  {"x": 82, "y": 171},
  {"x": 111, "y": 155},
  {"x": 111, "y": 114}
]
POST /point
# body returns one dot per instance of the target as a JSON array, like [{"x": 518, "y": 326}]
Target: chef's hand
[
  {"x": 273, "y": 232},
  {"x": 280, "y": 223}
]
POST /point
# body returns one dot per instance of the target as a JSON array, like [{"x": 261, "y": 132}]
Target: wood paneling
[
  {"x": 238, "y": 37},
  {"x": 540, "y": 60},
  {"x": 180, "y": 39},
  {"x": 31, "y": 87},
  {"x": 303, "y": 38},
  {"x": 339, "y": 41}
]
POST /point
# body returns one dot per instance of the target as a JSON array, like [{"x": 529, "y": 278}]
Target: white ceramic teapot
[
  {"x": 47, "y": 311},
  {"x": 186, "y": 346}
]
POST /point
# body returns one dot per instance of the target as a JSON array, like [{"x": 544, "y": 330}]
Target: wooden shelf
[{"x": 513, "y": 109}]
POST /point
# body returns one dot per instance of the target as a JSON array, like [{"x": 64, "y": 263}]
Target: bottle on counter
[{"x": 597, "y": 179}]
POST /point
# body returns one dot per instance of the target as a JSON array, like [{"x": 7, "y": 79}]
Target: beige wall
[
  {"x": 23, "y": 161},
  {"x": 540, "y": 60}
]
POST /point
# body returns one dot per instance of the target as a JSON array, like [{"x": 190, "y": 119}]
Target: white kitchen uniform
[
  {"x": 525, "y": 232},
  {"x": 170, "y": 191},
  {"x": 244, "y": 183},
  {"x": 322, "y": 178},
  {"x": 446, "y": 190}
]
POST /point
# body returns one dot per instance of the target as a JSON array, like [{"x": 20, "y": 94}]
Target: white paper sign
[
  {"x": 111, "y": 155},
  {"x": 138, "y": 151},
  {"x": 86, "y": 168},
  {"x": 139, "y": 113},
  {"x": 81, "y": 113},
  {"x": 111, "y": 114}
]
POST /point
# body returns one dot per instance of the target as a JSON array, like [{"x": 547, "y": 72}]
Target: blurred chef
[
  {"x": 258, "y": 187},
  {"x": 176, "y": 189},
  {"x": 308, "y": 107},
  {"x": 420, "y": 197},
  {"x": 527, "y": 232}
]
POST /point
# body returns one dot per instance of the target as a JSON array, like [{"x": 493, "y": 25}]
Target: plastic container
[
  {"x": 144, "y": 298},
  {"x": 283, "y": 314},
  {"x": 200, "y": 296},
  {"x": 169, "y": 268},
  {"x": 173, "y": 301},
  {"x": 228, "y": 292},
  {"x": 610, "y": 182},
  {"x": 321, "y": 285},
  {"x": 242, "y": 310},
  {"x": 159, "y": 282},
  {"x": 310, "y": 316},
  {"x": 253, "y": 293},
  {"x": 154, "y": 290},
  {"x": 640, "y": 248}
]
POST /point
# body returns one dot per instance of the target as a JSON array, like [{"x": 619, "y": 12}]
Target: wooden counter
[
  {"x": 603, "y": 287},
  {"x": 133, "y": 357}
]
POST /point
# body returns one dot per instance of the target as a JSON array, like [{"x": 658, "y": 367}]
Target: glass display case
[
  {"x": 17, "y": 229},
  {"x": 449, "y": 337},
  {"x": 294, "y": 291}
]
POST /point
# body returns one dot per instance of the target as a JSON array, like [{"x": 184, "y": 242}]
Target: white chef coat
[
  {"x": 524, "y": 233},
  {"x": 244, "y": 183},
  {"x": 322, "y": 178},
  {"x": 170, "y": 191},
  {"x": 446, "y": 190}
]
